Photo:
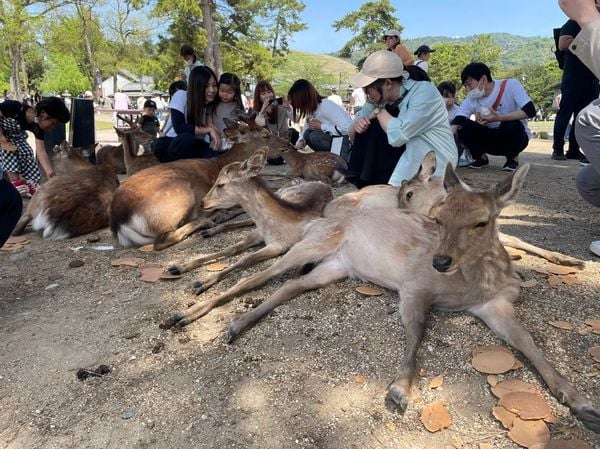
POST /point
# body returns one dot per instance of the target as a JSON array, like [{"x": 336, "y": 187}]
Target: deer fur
[
  {"x": 162, "y": 205},
  {"x": 279, "y": 223},
  {"x": 453, "y": 263},
  {"x": 113, "y": 155},
  {"x": 318, "y": 165},
  {"x": 66, "y": 159},
  {"x": 131, "y": 140}
]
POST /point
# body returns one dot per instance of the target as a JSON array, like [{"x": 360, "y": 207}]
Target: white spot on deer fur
[{"x": 135, "y": 232}]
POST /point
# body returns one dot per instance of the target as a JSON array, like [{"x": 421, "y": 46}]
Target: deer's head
[
  {"x": 66, "y": 159},
  {"x": 225, "y": 192},
  {"x": 467, "y": 219},
  {"x": 247, "y": 135}
]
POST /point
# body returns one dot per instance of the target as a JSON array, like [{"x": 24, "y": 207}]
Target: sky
[{"x": 452, "y": 18}]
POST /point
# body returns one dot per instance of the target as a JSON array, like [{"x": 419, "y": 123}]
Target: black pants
[
  {"x": 183, "y": 146},
  {"x": 508, "y": 140},
  {"x": 572, "y": 101},
  {"x": 11, "y": 207},
  {"x": 372, "y": 158}
]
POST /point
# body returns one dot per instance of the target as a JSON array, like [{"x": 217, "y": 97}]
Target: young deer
[
  {"x": 112, "y": 155},
  {"x": 453, "y": 263},
  {"x": 131, "y": 140},
  {"x": 66, "y": 159},
  {"x": 319, "y": 165},
  {"x": 163, "y": 204},
  {"x": 279, "y": 223}
]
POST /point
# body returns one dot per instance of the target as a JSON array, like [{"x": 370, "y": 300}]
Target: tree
[
  {"x": 368, "y": 25},
  {"x": 540, "y": 81},
  {"x": 63, "y": 74}
]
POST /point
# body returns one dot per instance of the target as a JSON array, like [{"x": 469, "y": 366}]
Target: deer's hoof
[
  {"x": 174, "y": 270},
  {"x": 172, "y": 321},
  {"x": 589, "y": 416},
  {"x": 396, "y": 400},
  {"x": 198, "y": 287}
]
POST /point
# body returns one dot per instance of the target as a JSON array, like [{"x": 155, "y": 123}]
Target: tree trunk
[
  {"x": 212, "y": 52},
  {"x": 91, "y": 70}
]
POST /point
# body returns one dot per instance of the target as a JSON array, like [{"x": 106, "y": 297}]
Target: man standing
[
  {"x": 579, "y": 86},
  {"x": 501, "y": 109},
  {"x": 423, "y": 53}
]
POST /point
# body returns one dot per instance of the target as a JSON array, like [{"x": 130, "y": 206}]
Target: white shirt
[
  {"x": 121, "y": 101},
  {"x": 359, "y": 97},
  {"x": 422, "y": 64},
  {"x": 179, "y": 103},
  {"x": 333, "y": 118},
  {"x": 336, "y": 99}
]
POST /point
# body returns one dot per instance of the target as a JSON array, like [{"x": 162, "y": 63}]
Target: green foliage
[
  {"x": 367, "y": 25},
  {"x": 540, "y": 82},
  {"x": 63, "y": 74}
]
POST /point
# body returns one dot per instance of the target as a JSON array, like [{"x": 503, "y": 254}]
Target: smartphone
[{"x": 279, "y": 100}]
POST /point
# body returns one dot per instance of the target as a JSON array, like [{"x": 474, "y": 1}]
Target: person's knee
[{"x": 588, "y": 185}]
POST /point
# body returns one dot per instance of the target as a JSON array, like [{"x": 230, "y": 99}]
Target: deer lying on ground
[
  {"x": 162, "y": 205},
  {"x": 319, "y": 165},
  {"x": 279, "y": 223},
  {"x": 132, "y": 140},
  {"x": 72, "y": 204},
  {"x": 112, "y": 155},
  {"x": 453, "y": 263},
  {"x": 66, "y": 159}
]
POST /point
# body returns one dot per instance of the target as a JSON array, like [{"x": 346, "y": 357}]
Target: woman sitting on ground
[
  {"x": 271, "y": 114},
  {"x": 324, "y": 119},
  {"x": 401, "y": 121},
  {"x": 192, "y": 134}
]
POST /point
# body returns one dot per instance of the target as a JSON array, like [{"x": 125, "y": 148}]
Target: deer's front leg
[
  {"x": 498, "y": 314},
  {"x": 413, "y": 310}
]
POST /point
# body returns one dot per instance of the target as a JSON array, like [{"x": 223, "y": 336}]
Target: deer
[
  {"x": 162, "y": 205},
  {"x": 131, "y": 140},
  {"x": 454, "y": 262},
  {"x": 319, "y": 165},
  {"x": 279, "y": 223},
  {"x": 66, "y": 159},
  {"x": 112, "y": 155}
]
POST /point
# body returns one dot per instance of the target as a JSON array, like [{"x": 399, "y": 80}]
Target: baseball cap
[
  {"x": 424, "y": 49},
  {"x": 392, "y": 33},
  {"x": 150, "y": 104},
  {"x": 379, "y": 65}
]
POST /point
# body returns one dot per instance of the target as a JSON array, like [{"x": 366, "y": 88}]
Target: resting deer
[
  {"x": 112, "y": 155},
  {"x": 66, "y": 159},
  {"x": 279, "y": 223},
  {"x": 131, "y": 140},
  {"x": 453, "y": 263},
  {"x": 162, "y": 205},
  {"x": 319, "y": 165}
]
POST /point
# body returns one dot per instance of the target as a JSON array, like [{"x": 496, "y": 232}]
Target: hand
[
  {"x": 300, "y": 144},
  {"x": 50, "y": 174},
  {"x": 582, "y": 11},
  {"x": 361, "y": 125},
  {"x": 314, "y": 123},
  {"x": 215, "y": 137},
  {"x": 493, "y": 116}
]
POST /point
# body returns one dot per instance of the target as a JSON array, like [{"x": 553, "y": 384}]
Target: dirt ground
[{"x": 313, "y": 374}]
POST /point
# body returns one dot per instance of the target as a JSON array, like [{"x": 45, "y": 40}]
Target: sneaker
[
  {"x": 478, "y": 163},
  {"x": 33, "y": 187},
  {"x": 21, "y": 188},
  {"x": 584, "y": 161},
  {"x": 578, "y": 155},
  {"x": 558, "y": 156},
  {"x": 510, "y": 165},
  {"x": 595, "y": 247}
]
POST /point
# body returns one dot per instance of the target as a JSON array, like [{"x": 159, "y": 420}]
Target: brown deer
[
  {"x": 66, "y": 159},
  {"x": 279, "y": 223},
  {"x": 132, "y": 139},
  {"x": 453, "y": 263},
  {"x": 319, "y": 165},
  {"x": 112, "y": 155},
  {"x": 162, "y": 205}
]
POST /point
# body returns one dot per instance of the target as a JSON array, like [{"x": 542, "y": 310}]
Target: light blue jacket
[{"x": 422, "y": 125}]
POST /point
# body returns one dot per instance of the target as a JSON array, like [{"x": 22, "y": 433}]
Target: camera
[{"x": 278, "y": 100}]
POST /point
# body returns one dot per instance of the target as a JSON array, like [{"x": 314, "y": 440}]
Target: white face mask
[
  {"x": 476, "y": 93},
  {"x": 189, "y": 62}
]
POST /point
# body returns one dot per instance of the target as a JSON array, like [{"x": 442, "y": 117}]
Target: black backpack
[{"x": 559, "y": 54}]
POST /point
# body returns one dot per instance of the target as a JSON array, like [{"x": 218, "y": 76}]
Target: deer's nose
[{"x": 442, "y": 263}]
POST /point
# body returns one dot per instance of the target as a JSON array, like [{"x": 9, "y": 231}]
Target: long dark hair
[
  {"x": 264, "y": 86},
  {"x": 232, "y": 80},
  {"x": 304, "y": 98},
  {"x": 196, "y": 94}
]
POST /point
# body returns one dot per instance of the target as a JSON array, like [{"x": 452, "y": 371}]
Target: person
[
  {"x": 501, "y": 109},
  {"x": 140, "y": 102},
  {"x": 11, "y": 207},
  {"x": 402, "y": 120},
  {"x": 272, "y": 115},
  {"x": 579, "y": 86},
  {"x": 188, "y": 54},
  {"x": 229, "y": 99},
  {"x": 335, "y": 97},
  {"x": 393, "y": 44},
  {"x": 19, "y": 160},
  {"x": 148, "y": 121},
  {"x": 448, "y": 91},
  {"x": 323, "y": 118},
  {"x": 192, "y": 134},
  {"x": 586, "y": 46},
  {"x": 423, "y": 53},
  {"x": 357, "y": 99},
  {"x": 121, "y": 103},
  {"x": 173, "y": 87}
]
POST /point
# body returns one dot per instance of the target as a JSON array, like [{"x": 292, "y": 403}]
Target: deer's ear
[
  {"x": 508, "y": 189},
  {"x": 427, "y": 168},
  {"x": 255, "y": 163},
  {"x": 451, "y": 180}
]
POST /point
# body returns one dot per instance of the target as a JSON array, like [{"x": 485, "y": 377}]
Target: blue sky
[{"x": 432, "y": 18}]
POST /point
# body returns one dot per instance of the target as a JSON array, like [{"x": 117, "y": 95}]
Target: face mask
[
  {"x": 476, "y": 93},
  {"x": 188, "y": 62}
]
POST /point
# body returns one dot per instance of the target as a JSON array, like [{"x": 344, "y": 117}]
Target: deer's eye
[
  {"x": 482, "y": 224},
  {"x": 409, "y": 195},
  {"x": 220, "y": 184}
]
